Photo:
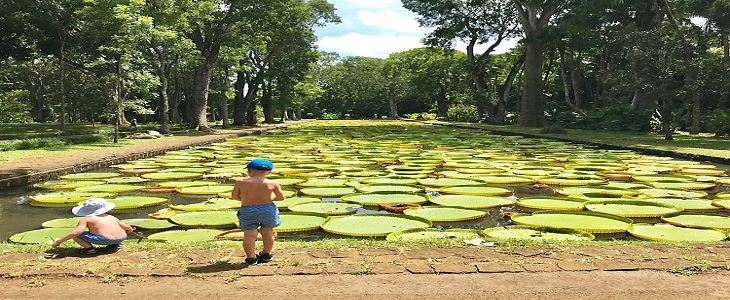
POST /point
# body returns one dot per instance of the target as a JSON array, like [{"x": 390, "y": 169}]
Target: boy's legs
[
  {"x": 249, "y": 242},
  {"x": 267, "y": 236},
  {"x": 82, "y": 243}
]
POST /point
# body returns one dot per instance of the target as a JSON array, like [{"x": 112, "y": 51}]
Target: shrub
[
  {"x": 719, "y": 123},
  {"x": 463, "y": 113}
]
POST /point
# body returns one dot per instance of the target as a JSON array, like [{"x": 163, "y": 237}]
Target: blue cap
[{"x": 260, "y": 164}]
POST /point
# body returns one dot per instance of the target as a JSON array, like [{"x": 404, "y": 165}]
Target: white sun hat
[{"x": 93, "y": 207}]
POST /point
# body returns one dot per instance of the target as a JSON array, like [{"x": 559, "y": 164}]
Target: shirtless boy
[
  {"x": 104, "y": 229},
  {"x": 258, "y": 209}
]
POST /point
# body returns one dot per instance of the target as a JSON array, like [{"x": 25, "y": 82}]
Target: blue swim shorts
[
  {"x": 99, "y": 240},
  {"x": 264, "y": 215}
]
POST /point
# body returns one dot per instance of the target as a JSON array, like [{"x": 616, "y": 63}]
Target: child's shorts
[
  {"x": 263, "y": 215},
  {"x": 99, "y": 240}
]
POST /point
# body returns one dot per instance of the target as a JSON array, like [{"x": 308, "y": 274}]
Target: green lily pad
[
  {"x": 389, "y": 188},
  {"x": 111, "y": 188},
  {"x": 472, "y": 201},
  {"x": 40, "y": 236},
  {"x": 213, "y": 218},
  {"x": 162, "y": 176},
  {"x": 683, "y": 185},
  {"x": 289, "y": 181},
  {"x": 205, "y": 190},
  {"x": 185, "y": 236},
  {"x": 670, "y": 233},
  {"x": 68, "y": 197},
  {"x": 324, "y": 182},
  {"x": 671, "y": 193},
  {"x": 445, "y": 213},
  {"x": 596, "y": 190},
  {"x": 551, "y": 203},
  {"x": 724, "y": 203},
  {"x": 698, "y": 221},
  {"x": 375, "y": 198},
  {"x": 130, "y": 202},
  {"x": 505, "y": 179},
  {"x": 571, "y": 181},
  {"x": 291, "y": 201},
  {"x": 184, "y": 184},
  {"x": 294, "y": 222},
  {"x": 686, "y": 204},
  {"x": 326, "y": 208},
  {"x": 149, "y": 223},
  {"x": 631, "y": 208},
  {"x": 441, "y": 182},
  {"x": 723, "y": 195},
  {"x": 389, "y": 180},
  {"x": 475, "y": 190},
  {"x": 210, "y": 204},
  {"x": 126, "y": 180},
  {"x": 429, "y": 234},
  {"x": 372, "y": 224},
  {"x": 89, "y": 176},
  {"x": 517, "y": 232},
  {"x": 62, "y": 223},
  {"x": 592, "y": 222},
  {"x": 328, "y": 192},
  {"x": 67, "y": 184}
]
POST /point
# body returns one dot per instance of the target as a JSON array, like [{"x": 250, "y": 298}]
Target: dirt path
[{"x": 616, "y": 272}]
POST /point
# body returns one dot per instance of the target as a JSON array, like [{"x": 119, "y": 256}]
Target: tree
[
  {"x": 474, "y": 22},
  {"x": 534, "y": 16}
]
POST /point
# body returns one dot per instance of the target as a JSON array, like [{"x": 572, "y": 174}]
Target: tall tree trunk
[
  {"x": 176, "y": 99},
  {"x": 164, "y": 84},
  {"x": 251, "y": 117},
  {"x": 392, "y": 103},
  {"x": 266, "y": 103},
  {"x": 533, "y": 108},
  {"x": 197, "y": 115},
  {"x": 504, "y": 91},
  {"x": 442, "y": 105},
  {"x": 575, "y": 76},
  {"x": 722, "y": 103},
  {"x": 63, "y": 86},
  {"x": 224, "y": 99},
  {"x": 118, "y": 99},
  {"x": 239, "y": 113}
]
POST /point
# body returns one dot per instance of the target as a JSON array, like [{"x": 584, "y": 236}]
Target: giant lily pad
[
  {"x": 670, "y": 233},
  {"x": 429, "y": 234},
  {"x": 571, "y": 181},
  {"x": 375, "y": 198},
  {"x": 62, "y": 223},
  {"x": 89, "y": 176},
  {"x": 292, "y": 222},
  {"x": 213, "y": 218},
  {"x": 441, "y": 182},
  {"x": 686, "y": 204},
  {"x": 517, "y": 232},
  {"x": 40, "y": 236},
  {"x": 326, "y": 208},
  {"x": 185, "y": 236},
  {"x": 698, "y": 221},
  {"x": 68, "y": 197},
  {"x": 596, "y": 190},
  {"x": 671, "y": 193},
  {"x": 324, "y": 182},
  {"x": 291, "y": 201},
  {"x": 328, "y": 191},
  {"x": 725, "y": 203},
  {"x": 592, "y": 222},
  {"x": 632, "y": 209},
  {"x": 206, "y": 190},
  {"x": 372, "y": 224},
  {"x": 551, "y": 203},
  {"x": 475, "y": 190},
  {"x": 166, "y": 176},
  {"x": 505, "y": 179},
  {"x": 472, "y": 201},
  {"x": 389, "y": 188},
  {"x": 210, "y": 204},
  {"x": 445, "y": 213},
  {"x": 389, "y": 180},
  {"x": 126, "y": 180},
  {"x": 66, "y": 184},
  {"x": 683, "y": 185},
  {"x": 129, "y": 202},
  {"x": 110, "y": 188},
  {"x": 149, "y": 223}
]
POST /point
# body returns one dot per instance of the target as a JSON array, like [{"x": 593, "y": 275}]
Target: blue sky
[{"x": 375, "y": 28}]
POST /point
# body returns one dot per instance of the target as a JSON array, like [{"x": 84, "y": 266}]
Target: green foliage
[
  {"x": 422, "y": 116},
  {"x": 617, "y": 118},
  {"x": 14, "y": 107},
  {"x": 719, "y": 123},
  {"x": 463, "y": 113}
]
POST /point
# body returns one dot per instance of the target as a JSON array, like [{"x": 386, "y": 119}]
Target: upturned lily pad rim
[
  {"x": 40, "y": 236},
  {"x": 333, "y": 219},
  {"x": 474, "y": 190},
  {"x": 149, "y": 223},
  {"x": 516, "y": 217},
  {"x": 61, "y": 223},
  {"x": 306, "y": 207},
  {"x": 399, "y": 235},
  {"x": 456, "y": 213},
  {"x": 497, "y": 201},
  {"x": 349, "y": 198},
  {"x": 667, "y": 219},
  {"x": 570, "y": 231},
  {"x": 212, "y": 218},
  {"x": 301, "y": 217},
  {"x": 636, "y": 212},
  {"x": 717, "y": 235},
  {"x": 524, "y": 202}
]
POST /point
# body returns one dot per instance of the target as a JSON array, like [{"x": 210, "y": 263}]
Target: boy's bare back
[
  {"x": 105, "y": 225},
  {"x": 257, "y": 190}
]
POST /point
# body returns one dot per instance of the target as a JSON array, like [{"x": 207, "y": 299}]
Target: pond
[{"x": 432, "y": 157}]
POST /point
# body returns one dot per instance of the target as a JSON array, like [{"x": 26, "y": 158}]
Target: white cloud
[
  {"x": 391, "y": 21},
  {"x": 369, "y": 45},
  {"x": 369, "y": 3}
]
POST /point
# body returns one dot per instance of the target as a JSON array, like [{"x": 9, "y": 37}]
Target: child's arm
[
  {"x": 125, "y": 226},
  {"x": 236, "y": 191},
  {"x": 278, "y": 192},
  {"x": 80, "y": 227}
]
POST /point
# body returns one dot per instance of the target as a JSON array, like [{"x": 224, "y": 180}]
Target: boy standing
[
  {"x": 104, "y": 229},
  {"x": 258, "y": 209}
]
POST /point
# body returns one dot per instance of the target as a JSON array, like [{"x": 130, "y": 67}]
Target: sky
[{"x": 377, "y": 28}]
